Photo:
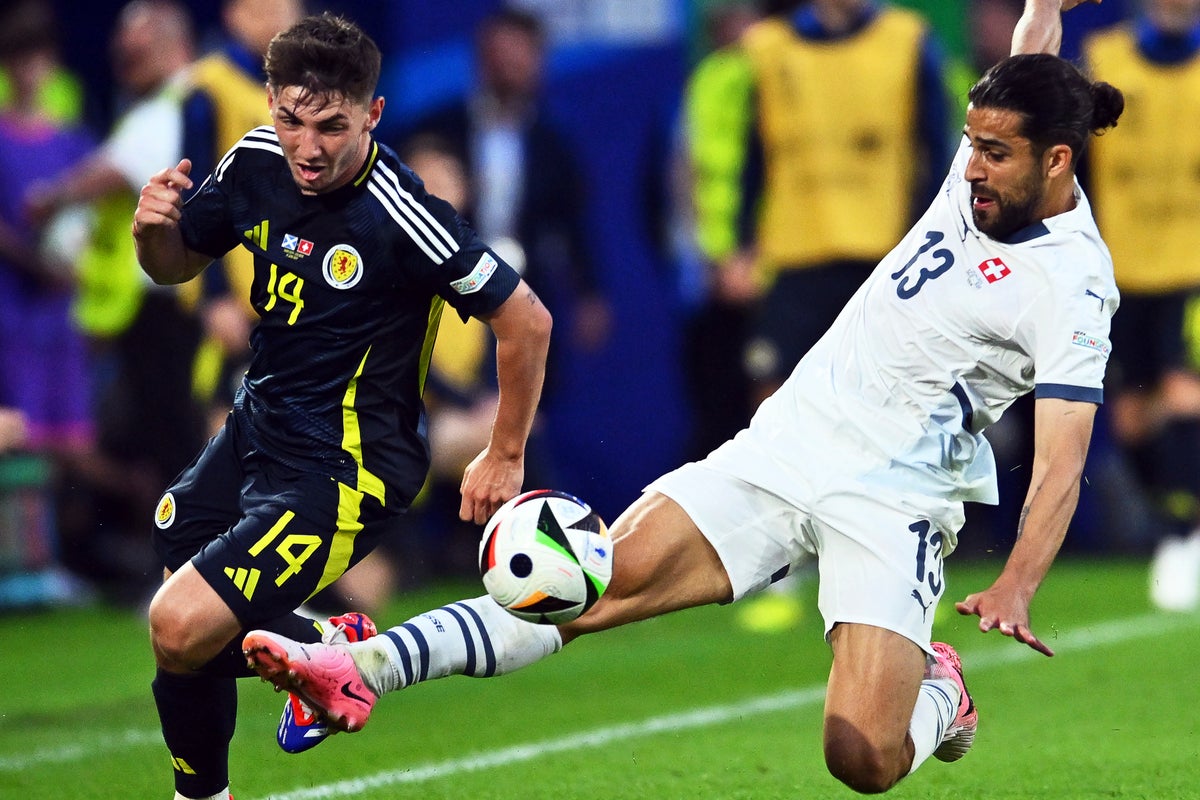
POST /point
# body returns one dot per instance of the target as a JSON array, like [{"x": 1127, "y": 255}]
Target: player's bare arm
[
  {"x": 1040, "y": 28},
  {"x": 156, "y": 234},
  {"x": 1062, "y": 430},
  {"x": 522, "y": 328}
]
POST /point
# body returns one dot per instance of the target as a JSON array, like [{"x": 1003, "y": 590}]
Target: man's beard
[{"x": 1008, "y": 215}]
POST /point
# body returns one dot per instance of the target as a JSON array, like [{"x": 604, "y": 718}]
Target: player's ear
[
  {"x": 1057, "y": 160},
  {"x": 374, "y": 113}
]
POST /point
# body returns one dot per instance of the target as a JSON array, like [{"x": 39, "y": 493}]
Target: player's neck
[
  {"x": 838, "y": 16},
  {"x": 1060, "y": 197}
]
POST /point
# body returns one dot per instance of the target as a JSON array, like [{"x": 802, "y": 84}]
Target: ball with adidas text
[{"x": 546, "y": 556}]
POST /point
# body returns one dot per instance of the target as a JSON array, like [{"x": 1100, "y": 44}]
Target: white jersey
[{"x": 950, "y": 328}]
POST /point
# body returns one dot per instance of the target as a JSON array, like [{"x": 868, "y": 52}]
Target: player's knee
[
  {"x": 866, "y": 772},
  {"x": 856, "y": 761},
  {"x": 172, "y": 637}
]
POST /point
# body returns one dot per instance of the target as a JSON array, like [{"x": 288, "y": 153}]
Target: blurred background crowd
[{"x": 693, "y": 187}]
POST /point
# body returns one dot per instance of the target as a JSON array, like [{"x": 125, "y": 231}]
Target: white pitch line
[
  {"x": 80, "y": 750},
  {"x": 1083, "y": 639}
]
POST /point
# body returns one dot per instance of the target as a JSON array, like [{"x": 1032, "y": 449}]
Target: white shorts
[{"x": 879, "y": 558}]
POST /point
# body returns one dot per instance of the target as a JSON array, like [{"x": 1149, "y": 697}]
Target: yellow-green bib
[{"x": 839, "y": 136}]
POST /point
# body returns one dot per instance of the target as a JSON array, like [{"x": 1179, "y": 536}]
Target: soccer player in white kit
[{"x": 865, "y": 455}]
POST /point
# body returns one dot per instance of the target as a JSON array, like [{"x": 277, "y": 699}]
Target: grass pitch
[{"x": 688, "y": 706}]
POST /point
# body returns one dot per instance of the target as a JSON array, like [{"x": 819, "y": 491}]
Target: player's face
[
  {"x": 255, "y": 22},
  {"x": 325, "y": 139},
  {"x": 511, "y": 61},
  {"x": 1174, "y": 16},
  {"x": 1008, "y": 185}
]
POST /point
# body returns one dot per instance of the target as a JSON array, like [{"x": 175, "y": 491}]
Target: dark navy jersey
[{"x": 349, "y": 287}]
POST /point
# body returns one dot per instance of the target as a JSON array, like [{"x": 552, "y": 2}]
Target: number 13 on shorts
[{"x": 929, "y": 562}]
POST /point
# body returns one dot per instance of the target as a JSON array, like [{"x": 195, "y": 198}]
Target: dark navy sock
[{"x": 198, "y": 714}]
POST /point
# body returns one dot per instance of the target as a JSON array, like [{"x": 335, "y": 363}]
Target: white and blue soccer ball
[{"x": 546, "y": 557}]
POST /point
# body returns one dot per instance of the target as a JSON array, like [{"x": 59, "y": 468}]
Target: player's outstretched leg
[
  {"x": 960, "y": 734},
  {"x": 299, "y": 728},
  {"x": 340, "y": 682}
]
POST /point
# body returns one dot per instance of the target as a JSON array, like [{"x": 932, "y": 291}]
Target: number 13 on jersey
[{"x": 906, "y": 286}]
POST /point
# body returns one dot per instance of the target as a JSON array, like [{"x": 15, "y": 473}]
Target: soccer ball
[{"x": 545, "y": 557}]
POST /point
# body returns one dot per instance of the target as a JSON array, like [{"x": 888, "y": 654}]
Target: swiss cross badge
[{"x": 994, "y": 269}]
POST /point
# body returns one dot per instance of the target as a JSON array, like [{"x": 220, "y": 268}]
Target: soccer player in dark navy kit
[{"x": 326, "y": 442}]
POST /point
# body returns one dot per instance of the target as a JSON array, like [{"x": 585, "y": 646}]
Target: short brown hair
[
  {"x": 26, "y": 27},
  {"x": 326, "y": 56}
]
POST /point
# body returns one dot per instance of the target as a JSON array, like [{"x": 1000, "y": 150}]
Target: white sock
[
  {"x": 473, "y": 637},
  {"x": 221, "y": 795},
  {"x": 936, "y": 707}
]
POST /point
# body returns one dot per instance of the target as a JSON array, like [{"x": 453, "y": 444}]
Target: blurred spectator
[
  {"x": 43, "y": 363},
  {"x": 58, "y": 95},
  {"x": 1144, "y": 179},
  {"x": 717, "y": 114},
  {"x": 149, "y": 426},
  {"x": 526, "y": 188},
  {"x": 44, "y": 371},
  {"x": 227, "y": 97},
  {"x": 990, "y": 25},
  {"x": 848, "y": 122}
]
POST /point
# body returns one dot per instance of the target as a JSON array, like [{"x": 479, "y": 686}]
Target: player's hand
[
  {"x": 41, "y": 201},
  {"x": 1004, "y": 611},
  {"x": 735, "y": 280},
  {"x": 161, "y": 200},
  {"x": 13, "y": 429},
  {"x": 228, "y": 324},
  {"x": 489, "y": 482},
  {"x": 592, "y": 323}
]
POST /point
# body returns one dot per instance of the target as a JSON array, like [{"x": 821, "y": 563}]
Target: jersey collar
[
  {"x": 360, "y": 178},
  {"x": 368, "y": 165},
  {"x": 808, "y": 25},
  {"x": 1165, "y": 48},
  {"x": 1027, "y": 234}
]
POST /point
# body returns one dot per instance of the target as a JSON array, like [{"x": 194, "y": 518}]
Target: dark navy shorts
[{"x": 264, "y": 535}]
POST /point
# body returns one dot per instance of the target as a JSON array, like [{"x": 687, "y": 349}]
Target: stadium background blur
[{"x": 615, "y": 74}]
